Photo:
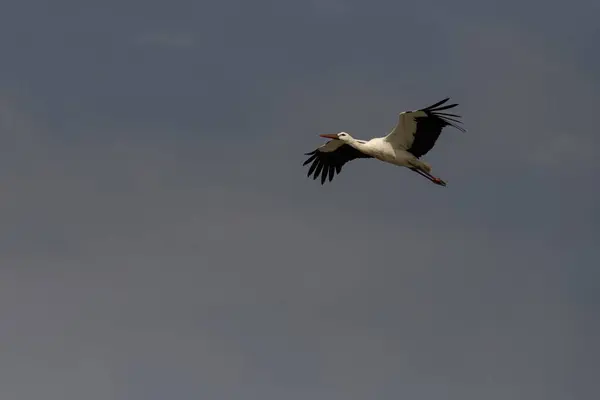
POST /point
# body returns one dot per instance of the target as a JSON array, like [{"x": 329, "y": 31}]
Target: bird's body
[
  {"x": 385, "y": 151},
  {"x": 413, "y": 136}
]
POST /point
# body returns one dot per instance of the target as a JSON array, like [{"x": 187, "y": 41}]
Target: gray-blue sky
[{"x": 159, "y": 237}]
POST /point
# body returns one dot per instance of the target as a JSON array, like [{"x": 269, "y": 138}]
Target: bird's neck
[
  {"x": 358, "y": 144},
  {"x": 354, "y": 142}
]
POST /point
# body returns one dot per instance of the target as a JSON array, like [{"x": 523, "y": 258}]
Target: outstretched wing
[
  {"x": 417, "y": 131},
  {"x": 329, "y": 159}
]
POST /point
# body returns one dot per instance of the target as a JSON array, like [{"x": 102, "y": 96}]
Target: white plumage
[{"x": 414, "y": 135}]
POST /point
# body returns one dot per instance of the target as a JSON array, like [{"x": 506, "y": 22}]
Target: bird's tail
[{"x": 426, "y": 166}]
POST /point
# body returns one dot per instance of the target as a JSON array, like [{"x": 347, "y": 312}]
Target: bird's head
[{"x": 343, "y": 136}]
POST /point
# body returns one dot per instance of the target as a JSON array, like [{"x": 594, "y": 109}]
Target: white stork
[{"x": 413, "y": 136}]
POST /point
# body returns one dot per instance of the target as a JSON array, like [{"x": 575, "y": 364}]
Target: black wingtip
[
  {"x": 309, "y": 159},
  {"x": 449, "y": 121},
  {"x": 436, "y": 106},
  {"x": 448, "y": 118},
  {"x": 445, "y": 107},
  {"x": 318, "y": 171},
  {"x": 439, "y": 103}
]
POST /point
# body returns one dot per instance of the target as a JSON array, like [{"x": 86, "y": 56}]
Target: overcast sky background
[{"x": 159, "y": 238}]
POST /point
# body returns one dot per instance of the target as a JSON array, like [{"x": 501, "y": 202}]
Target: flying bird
[{"x": 413, "y": 136}]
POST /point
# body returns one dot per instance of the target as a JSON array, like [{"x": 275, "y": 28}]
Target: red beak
[{"x": 329, "y": 136}]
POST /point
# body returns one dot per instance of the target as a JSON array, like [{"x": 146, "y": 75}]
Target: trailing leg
[{"x": 424, "y": 169}]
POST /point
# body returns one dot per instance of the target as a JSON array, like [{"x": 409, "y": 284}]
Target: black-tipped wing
[
  {"x": 328, "y": 160},
  {"x": 417, "y": 131}
]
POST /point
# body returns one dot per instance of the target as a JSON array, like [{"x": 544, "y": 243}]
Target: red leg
[{"x": 432, "y": 178}]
